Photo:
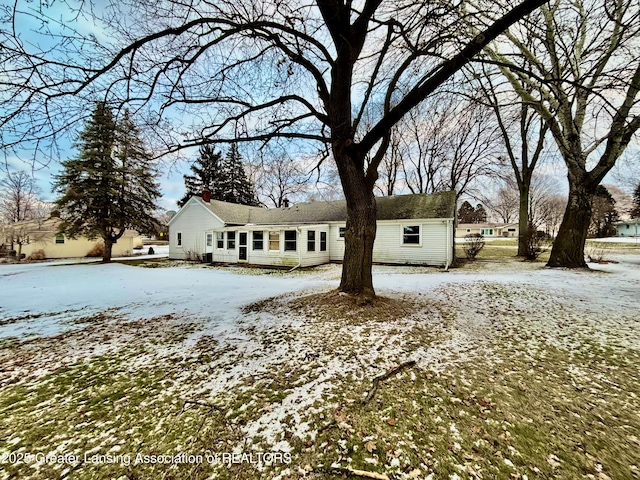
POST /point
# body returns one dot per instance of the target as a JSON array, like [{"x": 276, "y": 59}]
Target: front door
[
  {"x": 208, "y": 247},
  {"x": 242, "y": 246}
]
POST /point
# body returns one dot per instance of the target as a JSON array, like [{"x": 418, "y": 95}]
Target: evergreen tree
[
  {"x": 604, "y": 214},
  {"x": 206, "y": 173},
  {"x": 234, "y": 185},
  {"x": 480, "y": 214},
  {"x": 110, "y": 186},
  {"x": 635, "y": 212},
  {"x": 466, "y": 213}
]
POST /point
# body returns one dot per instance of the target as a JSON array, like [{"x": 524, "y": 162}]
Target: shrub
[
  {"x": 473, "y": 243},
  {"x": 192, "y": 256},
  {"x": 597, "y": 254},
  {"x": 37, "y": 255},
  {"x": 97, "y": 250},
  {"x": 536, "y": 243}
]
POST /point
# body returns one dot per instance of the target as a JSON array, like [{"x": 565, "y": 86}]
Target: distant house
[
  {"x": 411, "y": 229},
  {"x": 628, "y": 228},
  {"x": 43, "y": 235},
  {"x": 488, "y": 230}
]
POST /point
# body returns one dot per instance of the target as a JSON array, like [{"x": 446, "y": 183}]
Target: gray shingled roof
[{"x": 399, "y": 207}]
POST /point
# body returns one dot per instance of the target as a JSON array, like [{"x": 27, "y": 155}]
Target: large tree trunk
[
  {"x": 357, "y": 278},
  {"x": 108, "y": 247},
  {"x": 523, "y": 221},
  {"x": 568, "y": 247}
]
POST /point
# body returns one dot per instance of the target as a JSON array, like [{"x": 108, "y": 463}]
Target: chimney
[
  {"x": 285, "y": 203},
  {"x": 206, "y": 194}
]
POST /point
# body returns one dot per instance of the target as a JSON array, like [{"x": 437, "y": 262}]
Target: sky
[{"x": 171, "y": 174}]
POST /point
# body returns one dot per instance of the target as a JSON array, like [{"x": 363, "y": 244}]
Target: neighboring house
[
  {"x": 488, "y": 230},
  {"x": 43, "y": 235},
  {"x": 411, "y": 229},
  {"x": 628, "y": 228}
]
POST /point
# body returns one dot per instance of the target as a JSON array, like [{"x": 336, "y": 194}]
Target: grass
[
  {"x": 510, "y": 386},
  {"x": 551, "y": 413}
]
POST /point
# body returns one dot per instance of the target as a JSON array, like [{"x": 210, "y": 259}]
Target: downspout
[
  {"x": 446, "y": 267},
  {"x": 299, "y": 245}
]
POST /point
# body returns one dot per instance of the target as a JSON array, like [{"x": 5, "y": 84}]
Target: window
[
  {"x": 468, "y": 230},
  {"x": 274, "y": 241},
  {"x": 220, "y": 240},
  {"x": 178, "y": 239},
  {"x": 341, "y": 231},
  {"x": 59, "y": 239},
  {"x": 258, "y": 240},
  {"x": 411, "y": 235},
  {"x": 511, "y": 229},
  {"x": 311, "y": 241},
  {"x": 209, "y": 239},
  {"x": 290, "y": 237},
  {"x": 486, "y": 231},
  {"x": 323, "y": 241},
  {"x": 231, "y": 240}
]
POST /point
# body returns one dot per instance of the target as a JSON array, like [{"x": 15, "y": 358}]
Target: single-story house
[
  {"x": 42, "y": 234},
  {"x": 628, "y": 228},
  {"x": 488, "y": 230},
  {"x": 411, "y": 229}
]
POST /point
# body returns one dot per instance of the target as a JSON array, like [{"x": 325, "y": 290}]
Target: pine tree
[
  {"x": 206, "y": 173},
  {"x": 466, "y": 213},
  {"x": 110, "y": 186},
  {"x": 480, "y": 214},
  {"x": 234, "y": 184},
  {"x": 603, "y": 214}
]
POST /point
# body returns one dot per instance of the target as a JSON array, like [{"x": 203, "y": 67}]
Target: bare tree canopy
[
  {"x": 247, "y": 70},
  {"x": 19, "y": 198},
  {"x": 448, "y": 142},
  {"x": 583, "y": 79}
]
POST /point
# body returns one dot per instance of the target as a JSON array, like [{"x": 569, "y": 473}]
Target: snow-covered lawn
[{"x": 520, "y": 372}]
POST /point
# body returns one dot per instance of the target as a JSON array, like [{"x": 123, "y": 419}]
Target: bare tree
[
  {"x": 280, "y": 178},
  {"x": 19, "y": 202},
  {"x": 251, "y": 70},
  {"x": 550, "y": 213},
  {"x": 583, "y": 80},
  {"x": 504, "y": 204},
  {"x": 448, "y": 142},
  {"x": 523, "y": 132},
  {"x": 19, "y": 197}
]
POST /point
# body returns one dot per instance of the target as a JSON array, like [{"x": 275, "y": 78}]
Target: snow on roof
[{"x": 398, "y": 207}]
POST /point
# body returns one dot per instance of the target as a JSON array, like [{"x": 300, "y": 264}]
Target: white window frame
[
  {"x": 344, "y": 230},
  {"x": 402, "y": 234},
  {"x": 311, "y": 242},
  {"x": 326, "y": 246},
  {"x": 217, "y": 239},
  {"x": 295, "y": 233},
  {"x": 234, "y": 240},
  {"x": 253, "y": 240},
  {"x": 179, "y": 239},
  {"x": 269, "y": 240}
]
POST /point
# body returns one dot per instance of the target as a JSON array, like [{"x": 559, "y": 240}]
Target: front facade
[
  {"x": 488, "y": 230},
  {"x": 313, "y": 233},
  {"x": 629, "y": 228}
]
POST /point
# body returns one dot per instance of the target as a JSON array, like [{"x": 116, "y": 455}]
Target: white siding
[
  {"x": 280, "y": 257},
  {"x": 388, "y": 247},
  {"x": 192, "y": 221},
  {"x": 316, "y": 257}
]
